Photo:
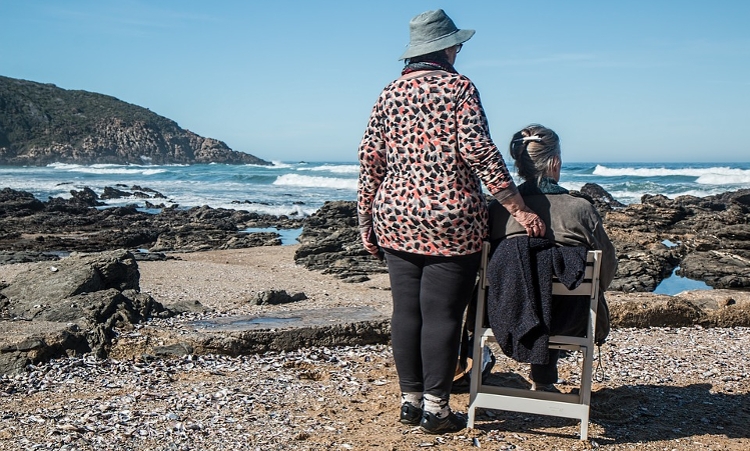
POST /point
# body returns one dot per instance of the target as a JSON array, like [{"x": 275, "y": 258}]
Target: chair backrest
[{"x": 589, "y": 287}]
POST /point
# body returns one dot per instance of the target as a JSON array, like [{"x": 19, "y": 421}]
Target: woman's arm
[{"x": 372, "y": 169}]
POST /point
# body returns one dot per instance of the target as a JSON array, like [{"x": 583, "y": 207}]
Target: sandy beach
[
  {"x": 659, "y": 388},
  {"x": 226, "y": 280}
]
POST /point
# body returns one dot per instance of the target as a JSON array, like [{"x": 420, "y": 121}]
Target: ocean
[{"x": 299, "y": 189}]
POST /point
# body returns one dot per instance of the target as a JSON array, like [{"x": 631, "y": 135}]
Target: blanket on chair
[{"x": 519, "y": 296}]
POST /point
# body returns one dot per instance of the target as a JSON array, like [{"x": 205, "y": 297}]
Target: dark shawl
[{"x": 519, "y": 298}]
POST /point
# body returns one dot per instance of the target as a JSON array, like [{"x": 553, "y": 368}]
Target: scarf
[
  {"x": 547, "y": 185},
  {"x": 428, "y": 65}
]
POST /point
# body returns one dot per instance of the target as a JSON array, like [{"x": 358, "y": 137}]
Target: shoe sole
[{"x": 441, "y": 431}]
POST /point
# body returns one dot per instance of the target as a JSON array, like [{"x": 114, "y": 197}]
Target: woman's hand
[
  {"x": 524, "y": 215},
  {"x": 369, "y": 243},
  {"x": 531, "y": 222}
]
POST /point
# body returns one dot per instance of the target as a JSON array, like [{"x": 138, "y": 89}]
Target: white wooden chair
[{"x": 568, "y": 405}]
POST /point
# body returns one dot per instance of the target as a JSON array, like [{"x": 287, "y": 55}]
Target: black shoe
[
  {"x": 410, "y": 414},
  {"x": 434, "y": 425}
]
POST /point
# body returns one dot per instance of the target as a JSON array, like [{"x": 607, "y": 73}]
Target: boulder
[
  {"x": 86, "y": 196},
  {"x": 279, "y": 332},
  {"x": 275, "y": 297},
  {"x": 70, "y": 307},
  {"x": 331, "y": 243},
  {"x": 602, "y": 200},
  {"x": 18, "y": 203}
]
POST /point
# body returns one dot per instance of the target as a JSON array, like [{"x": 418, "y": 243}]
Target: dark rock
[
  {"x": 693, "y": 308},
  {"x": 29, "y": 342},
  {"x": 150, "y": 256},
  {"x": 711, "y": 236},
  {"x": 10, "y": 257},
  {"x": 331, "y": 243},
  {"x": 186, "y": 306},
  {"x": 657, "y": 312},
  {"x": 49, "y": 284},
  {"x": 356, "y": 279},
  {"x": 275, "y": 297},
  {"x": 176, "y": 350},
  {"x": 719, "y": 268},
  {"x": 602, "y": 200},
  {"x": 87, "y": 197},
  {"x": 72, "y": 225},
  {"x": 18, "y": 203},
  {"x": 293, "y": 329},
  {"x": 71, "y": 306},
  {"x": 114, "y": 193}
]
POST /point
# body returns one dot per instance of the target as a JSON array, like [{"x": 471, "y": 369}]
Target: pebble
[
  {"x": 114, "y": 405},
  {"x": 262, "y": 402}
]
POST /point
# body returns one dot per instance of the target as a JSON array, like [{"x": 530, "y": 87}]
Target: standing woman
[{"x": 426, "y": 146}]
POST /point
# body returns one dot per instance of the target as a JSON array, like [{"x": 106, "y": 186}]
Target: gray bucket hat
[{"x": 432, "y": 31}]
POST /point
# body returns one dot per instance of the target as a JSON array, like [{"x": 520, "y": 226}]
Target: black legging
[{"x": 429, "y": 298}]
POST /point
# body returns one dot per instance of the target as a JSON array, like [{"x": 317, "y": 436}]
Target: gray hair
[{"x": 535, "y": 150}]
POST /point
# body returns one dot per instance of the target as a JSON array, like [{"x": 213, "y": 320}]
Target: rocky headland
[{"x": 42, "y": 124}]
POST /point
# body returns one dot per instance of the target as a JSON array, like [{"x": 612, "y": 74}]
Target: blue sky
[{"x": 626, "y": 81}]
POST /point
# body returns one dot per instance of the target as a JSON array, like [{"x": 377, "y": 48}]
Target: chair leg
[{"x": 585, "y": 428}]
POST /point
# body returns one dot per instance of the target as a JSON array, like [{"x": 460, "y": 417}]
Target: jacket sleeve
[
  {"x": 609, "y": 256},
  {"x": 372, "y": 164}
]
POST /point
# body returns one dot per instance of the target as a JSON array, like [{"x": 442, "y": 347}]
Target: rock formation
[
  {"x": 70, "y": 307},
  {"x": 707, "y": 238},
  {"x": 42, "y": 124},
  {"x": 330, "y": 243},
  {"x": 76, "y": 305},
  {"x": 31, "y": 227}
]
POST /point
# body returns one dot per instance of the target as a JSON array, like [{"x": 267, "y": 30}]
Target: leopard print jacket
[{"x": 426, "y": 146}]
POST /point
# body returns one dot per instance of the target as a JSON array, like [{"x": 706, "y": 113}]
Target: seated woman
[{"x": 571, "y": 221}]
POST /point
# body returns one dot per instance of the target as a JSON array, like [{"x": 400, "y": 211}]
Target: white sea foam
[
  {"x": 710, "y": 173},
  {"x": 43, "y": 188},
  {"x": 627, "y": 197},
  {"x": 318, "y": 182},
  {"x": 276, "y": 210},
  {"x": 276, "y": 165},
  {"x": 572, "y": 186},
  {"x": 143, "y": 171},
  {"x": 634, "y": 196},
  {"x": 109, "y": 168},
  {"x": 730, "y": 177},
  {"x": 301, "y": 188},
  {"x": 64, "y": 165},
  {"x": 334, "y": 168}
]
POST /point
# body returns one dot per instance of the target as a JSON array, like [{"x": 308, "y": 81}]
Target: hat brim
[{"x": 459, "y": 37}]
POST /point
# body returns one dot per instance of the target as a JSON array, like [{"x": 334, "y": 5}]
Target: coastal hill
[{"x": 42, "y": 124}]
